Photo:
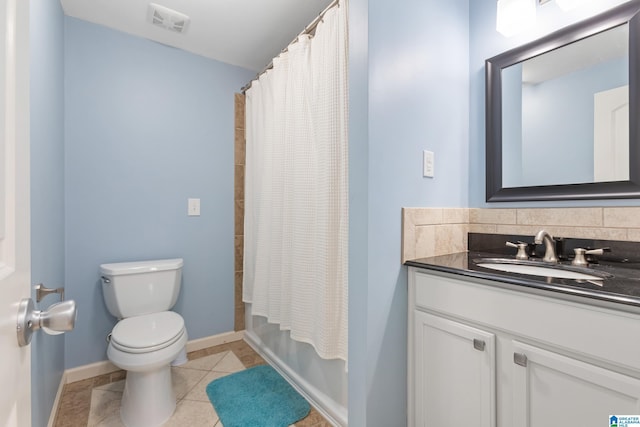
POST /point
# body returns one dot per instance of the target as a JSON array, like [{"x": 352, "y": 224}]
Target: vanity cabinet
[{"x": 484, "y": 355}]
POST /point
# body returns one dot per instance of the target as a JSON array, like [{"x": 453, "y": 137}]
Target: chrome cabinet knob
[
  {"x": 520, "y": 359},
  {"x": 478, "y": 344}
]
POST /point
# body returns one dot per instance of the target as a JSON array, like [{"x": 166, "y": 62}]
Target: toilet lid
[{"x": 148, "y": 332}]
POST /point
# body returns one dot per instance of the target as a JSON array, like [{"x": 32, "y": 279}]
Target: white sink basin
[{"x": 538, "y": 270}]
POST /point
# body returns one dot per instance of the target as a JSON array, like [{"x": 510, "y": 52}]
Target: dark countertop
[{"x": 621, "y": 291}]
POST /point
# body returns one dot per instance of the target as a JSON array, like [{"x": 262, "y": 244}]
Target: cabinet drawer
[{"x": 603, "y": 334}]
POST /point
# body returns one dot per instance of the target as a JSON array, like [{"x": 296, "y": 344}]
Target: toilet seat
[{"x": 147, "y": 333}]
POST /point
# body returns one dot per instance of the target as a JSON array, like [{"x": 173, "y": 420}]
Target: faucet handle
[
  {"x": 580, "y": 259},
  {"x": 599, "y": 251},
  {"x": 522, "y": 249}
]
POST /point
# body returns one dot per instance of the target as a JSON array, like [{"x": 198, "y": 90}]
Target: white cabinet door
[
  {"x": 554, "y": 390},
  {"x": 454, "y": 370}
]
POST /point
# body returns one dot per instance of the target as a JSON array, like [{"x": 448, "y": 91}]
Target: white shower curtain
[{"x": 296, "y": 190}]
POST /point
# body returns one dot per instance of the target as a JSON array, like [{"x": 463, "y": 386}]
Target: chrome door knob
[{"x": 58, "y": 318}]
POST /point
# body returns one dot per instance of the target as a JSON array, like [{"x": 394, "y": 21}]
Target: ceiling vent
[{"x": 167, "y": 18}]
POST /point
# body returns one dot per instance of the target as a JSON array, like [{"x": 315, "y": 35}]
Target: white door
[
  {"x": 15, "y": 378},
  {"x": 550, "y": 389},
  {"x": 611, "y": 135},
  {"x": 454, "y": 374}
]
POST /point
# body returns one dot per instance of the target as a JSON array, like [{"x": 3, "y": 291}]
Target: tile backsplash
[
  {"x": 438, "y": 231},
  {"x": 433, "y": 231}
]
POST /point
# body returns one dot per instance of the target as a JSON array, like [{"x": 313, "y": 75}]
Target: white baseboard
[
  {"x": 331, "y": 411},
  {"x": 91, "y": 370},
  {"x": 105, "y": 367},
  {"x": 56, "y": 402},
  {"x": 214, "y": 340}
]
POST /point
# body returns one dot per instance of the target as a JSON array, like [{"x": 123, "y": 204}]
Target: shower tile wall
[{"x": 239, "y": 208}]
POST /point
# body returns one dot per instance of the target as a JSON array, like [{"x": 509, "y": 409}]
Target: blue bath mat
[{"x": 256, "y": 397}]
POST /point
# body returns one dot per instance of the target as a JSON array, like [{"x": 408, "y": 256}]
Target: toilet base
[{"x": 148, "y": 399}]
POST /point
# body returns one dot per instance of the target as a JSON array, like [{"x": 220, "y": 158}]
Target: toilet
[{"x": 147, "y": 337}]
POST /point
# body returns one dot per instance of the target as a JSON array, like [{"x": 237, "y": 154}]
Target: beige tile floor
[{"x": 96, "y": 401}]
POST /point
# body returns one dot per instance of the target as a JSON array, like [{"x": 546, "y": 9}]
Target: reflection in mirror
[
  {"x": 561, "y": 113},
  {"x": 565, "y": 114}
]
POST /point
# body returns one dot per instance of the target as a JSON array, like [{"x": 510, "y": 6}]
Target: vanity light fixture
[{"x": 514, "y": 16}]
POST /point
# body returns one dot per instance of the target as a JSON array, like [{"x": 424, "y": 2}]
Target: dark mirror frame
[{"x": 626, "y": 13}]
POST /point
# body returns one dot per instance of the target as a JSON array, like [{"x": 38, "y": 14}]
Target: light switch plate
[
  {"x": 428, "y": 164},
  {"x": 193, "y": 207}
]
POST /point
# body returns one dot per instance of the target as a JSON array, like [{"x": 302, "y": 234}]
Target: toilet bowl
[
  {"x": 144, "y": 346},
  {"x": 147, "y": 338}
]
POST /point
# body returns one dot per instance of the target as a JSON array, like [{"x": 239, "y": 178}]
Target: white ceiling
[
  {"x": 246, "y": 33},
  {"x": 597, "y": 49}
]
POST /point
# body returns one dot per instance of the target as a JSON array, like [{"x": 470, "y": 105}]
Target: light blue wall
[
  {"x": 416, "y": 98},
  {"x": 358, "y": 211},
  {"x": 147, "y": 126},
  {"x": 486, "y": 42},
  {"x": 558, "y": 120},
  {"x": 47, "y": 193}
]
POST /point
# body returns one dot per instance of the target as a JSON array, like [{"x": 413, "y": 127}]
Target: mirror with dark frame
[{"x": 561, "y": 113}]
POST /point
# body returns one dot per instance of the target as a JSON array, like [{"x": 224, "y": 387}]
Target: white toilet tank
[{"x": 142, "y": 287}]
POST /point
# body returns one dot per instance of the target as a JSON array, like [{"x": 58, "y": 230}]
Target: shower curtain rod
[{"x": 309, "y": 29}]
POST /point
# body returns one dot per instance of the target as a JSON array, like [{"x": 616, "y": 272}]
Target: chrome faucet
[{"x": 550, "y": 249}]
